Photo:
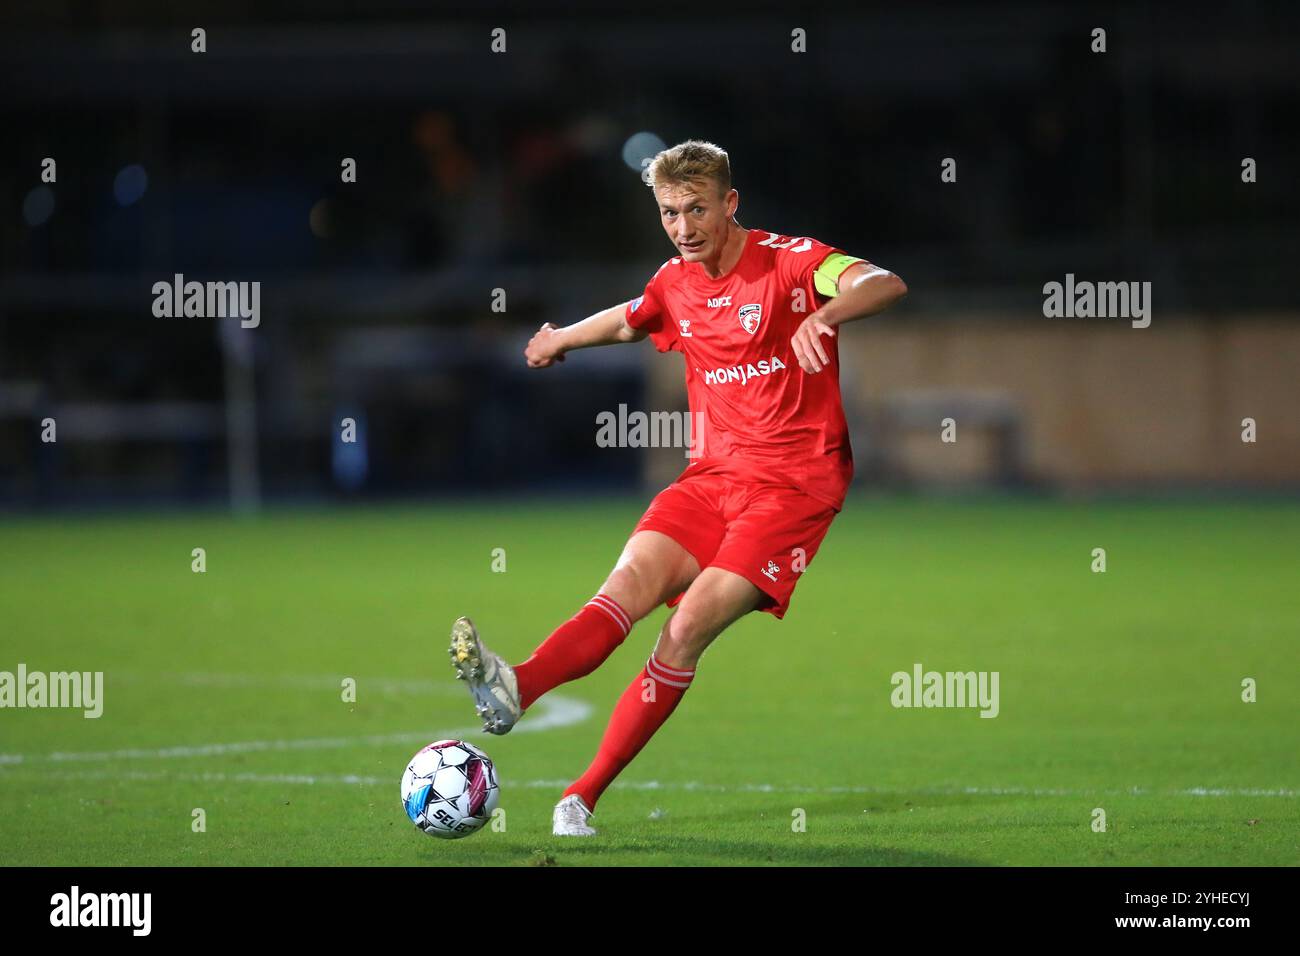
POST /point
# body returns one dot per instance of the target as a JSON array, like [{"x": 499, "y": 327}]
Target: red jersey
[{"x": 763, "y": 416}]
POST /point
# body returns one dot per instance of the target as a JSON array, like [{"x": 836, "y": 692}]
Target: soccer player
[{"x": 755, "y": 315}]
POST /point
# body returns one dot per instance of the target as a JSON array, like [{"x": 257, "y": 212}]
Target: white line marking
[
  {"x": 306, "y": 779},
  {"x": 549, "y": 713},
  {"x": 328, "y": 682}
]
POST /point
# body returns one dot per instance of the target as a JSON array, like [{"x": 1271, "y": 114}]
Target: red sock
[
  {"x": 576, "y": 648},
  {"x": 632, "y": 724}
]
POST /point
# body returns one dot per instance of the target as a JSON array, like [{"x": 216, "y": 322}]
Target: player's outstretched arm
[
  {"x": 606, "y": 327},
  {"x": 863, "y": 289}
]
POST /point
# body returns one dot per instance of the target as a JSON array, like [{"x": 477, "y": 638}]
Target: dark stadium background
[{"x": 479, "y": 171}]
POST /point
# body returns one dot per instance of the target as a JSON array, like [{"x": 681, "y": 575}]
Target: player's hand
[
  {"x": 807, "y": 344},
  {"x": 543, "y": 349}
]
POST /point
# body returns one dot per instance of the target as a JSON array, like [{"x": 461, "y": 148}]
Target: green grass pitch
[{"x": 1120, "y": 691}]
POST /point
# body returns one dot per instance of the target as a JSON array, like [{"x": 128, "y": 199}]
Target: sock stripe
[
  {"x": 616, "y": 608},
  {"x": 670, "y": 670},
  {"x": 656, "y": 670},
  {"x": 612, "y": 608},
  {"x": 680, "y": 685},
  {"x": 609, "y": 614}
]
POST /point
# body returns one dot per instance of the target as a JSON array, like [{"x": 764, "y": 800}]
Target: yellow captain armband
[{"x": 827, "y": 277}]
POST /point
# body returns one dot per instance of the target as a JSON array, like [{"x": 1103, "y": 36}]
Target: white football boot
[
  {"x": 570, "y": 818},
  {"x": 491, "y": 680}
]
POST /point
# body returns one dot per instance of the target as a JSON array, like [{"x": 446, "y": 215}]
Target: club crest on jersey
[{"x": 750, "y": 316}]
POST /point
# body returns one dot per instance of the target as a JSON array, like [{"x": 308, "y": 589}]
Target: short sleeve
[
  {"x": 816, "y": 266},
  {"x": 647, "y": 312}
]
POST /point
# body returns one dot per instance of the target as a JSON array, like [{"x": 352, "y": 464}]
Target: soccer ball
[{"x": 450, "y": 789}]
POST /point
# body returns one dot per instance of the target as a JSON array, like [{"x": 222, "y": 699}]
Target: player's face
[{"x": 696, "y": 218}]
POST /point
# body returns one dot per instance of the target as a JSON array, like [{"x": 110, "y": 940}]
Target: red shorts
[{"x": 766, "y": 532}]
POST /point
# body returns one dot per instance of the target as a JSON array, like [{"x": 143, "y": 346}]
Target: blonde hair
[{"x": 688, "y": 163}]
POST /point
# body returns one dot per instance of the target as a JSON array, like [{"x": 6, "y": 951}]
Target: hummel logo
[
  {"x": 771, "y": 571},
  {"x": 804, "y": 243},
  {"x": 686, "y": 328},
  {"x": 719, "y": 302}
]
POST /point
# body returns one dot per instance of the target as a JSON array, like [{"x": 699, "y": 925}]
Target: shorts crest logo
[{"x": 750, "y": 316}]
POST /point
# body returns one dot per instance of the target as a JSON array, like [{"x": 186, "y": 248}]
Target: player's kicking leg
[
  {"x": 715, "y": 600},
  {"x": 652, "y": 568}
]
